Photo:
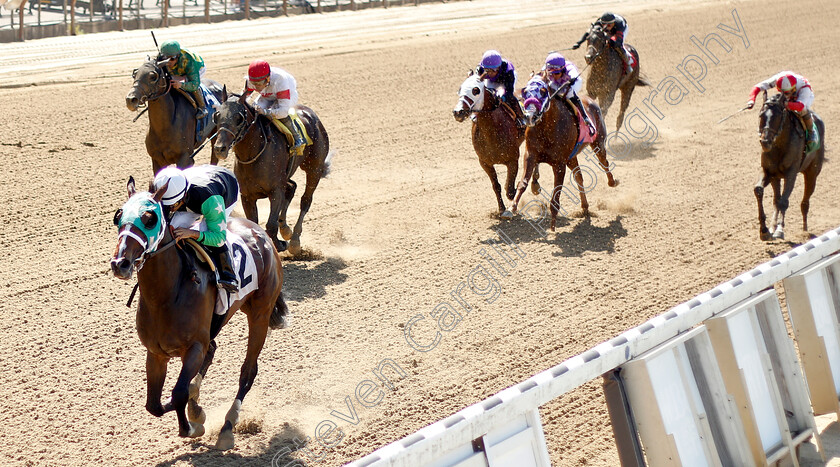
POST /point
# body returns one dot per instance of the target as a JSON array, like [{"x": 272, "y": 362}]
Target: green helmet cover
[{"x": 170, "y": 48}]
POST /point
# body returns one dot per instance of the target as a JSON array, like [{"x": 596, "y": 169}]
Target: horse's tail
[
  {"x": 280, "y": 315},
  {"x": 643, "y": 81},
  {"x": 328, "y": 163}
]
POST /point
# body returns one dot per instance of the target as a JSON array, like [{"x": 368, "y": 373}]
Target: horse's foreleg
[
  {"x": 277, "y": 199},
  {"x": 782, "y": 202},
  {"x": 554, "y": 206},
  {"x": 312, "y": 180},
  {"x": 155, "y": 376},
  {"x": 257, "y": 331},
  {"x": 285, "y": 230},
  {"x": 528, "y": 171},
  {"x": 191, "y": 363},
  {"x": 185, "y": 160},
  {"x": 497, "y": 188},
  {"x": 194, "y": 411},
  {"x": 763, "y": 232},
  {"x": 249, "y": 205}
]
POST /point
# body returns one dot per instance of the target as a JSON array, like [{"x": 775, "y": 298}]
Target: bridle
[
  {"x": 767, "y": 133},
  {"x": 242, "y": 129},
  {"x": 490, "y": 106},
  {"x": 159, "y": 91}
]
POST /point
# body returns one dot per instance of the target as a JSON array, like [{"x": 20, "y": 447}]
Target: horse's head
[
  {"x": 596, "y": 43},
  {"x": 535, "y": 97},
  {"x": 771, "y": 120},
  {"x": 470, "y": 97},
  {"x": 233, "y": 118},
  {"x": 151, "y": 81},
  {"x": 141, "y": 227}
]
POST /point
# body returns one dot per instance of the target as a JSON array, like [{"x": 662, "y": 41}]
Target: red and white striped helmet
[{"x": 786, "y": 83}]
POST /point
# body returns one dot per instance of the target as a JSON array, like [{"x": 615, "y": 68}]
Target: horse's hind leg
[
  {"x": 257, "y": 331},
  {"x": 810, "y": 185},
  {"x": 578, "y": 176},
  {"x": 312, "y": 180},
  {"x": 626, "y": 93},
  {"x": 286, "y": 231},
  {"x": 277, "y": 199}
]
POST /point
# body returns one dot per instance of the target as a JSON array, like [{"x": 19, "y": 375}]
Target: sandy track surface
[{"x": 406, "y": 216}]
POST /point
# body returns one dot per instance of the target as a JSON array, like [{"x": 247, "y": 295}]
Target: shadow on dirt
[
  {"x": 279, "y": 452},
  {"x": 583, "y": 236},
  {"x": 308, "y": 280}
]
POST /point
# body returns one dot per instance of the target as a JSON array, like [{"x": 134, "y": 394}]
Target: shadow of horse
[
  {"x": 587, "y": 237},
  {"x": 782, "y": 159},
  {"x": 305, "y": 281},
  {"x": 635, "y": 151},
  {"x": 171, "y": 138},
  {"x": 607, "y": 72},
  {"x": 279, "y": 452}
]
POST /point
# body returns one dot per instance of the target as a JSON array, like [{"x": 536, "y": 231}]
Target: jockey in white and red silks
[
  {"x": 563, "y": 73},
  {"x": 799, "y": 96},
  {"x": 277, "y": 94}
]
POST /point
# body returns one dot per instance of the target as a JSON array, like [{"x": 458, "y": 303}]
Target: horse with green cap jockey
[{"x": 186, "y": 68}]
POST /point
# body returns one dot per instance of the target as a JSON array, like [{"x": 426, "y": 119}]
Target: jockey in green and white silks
[
  {"x": 187, "y": 68},
  {"x": 206, "y": 191}
]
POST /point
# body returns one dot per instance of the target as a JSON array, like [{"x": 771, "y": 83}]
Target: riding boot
[
  {"x": 297, "y": 149},
  {"x": 224, "y": 269},
  {"x": 513, "y": 103},
  {"x": 576, "y": 101},
  {"x": 200, "y": 106},
  {"x": 812, "y": 136}
]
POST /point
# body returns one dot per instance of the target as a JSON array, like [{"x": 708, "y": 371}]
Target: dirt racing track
[{"x": 401, "y": 226}]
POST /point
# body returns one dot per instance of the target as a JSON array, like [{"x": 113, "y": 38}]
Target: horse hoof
[
  {"x": 614, "y": 183},
  {"x": 225, "y": 441},
  {"x": 286, "y": 232},
  {"x": 779, "y": 235},
  {"x": 507, "y": 215},
  {"x": 197, "y": 430},
  {"x": 765, "y": 236},
  {"x": 294, "y": 246},
  {"x": 281, "y": 245},
  {"x": 196, "y": 413},
  {"x": 535, "y": 188}
]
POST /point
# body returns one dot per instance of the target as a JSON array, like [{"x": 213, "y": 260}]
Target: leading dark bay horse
[
  {"x": 262, "y": 164},
  {"x": 782, "y": 158},
  {"x": 606, "y": 72},
  {"x": 495, "y": 138},
  {"x": 172, "y": 124},
  {"x": 552, "y": 138},
  {"x": 176, "y": 307}
]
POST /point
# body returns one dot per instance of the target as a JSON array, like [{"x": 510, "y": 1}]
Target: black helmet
[{"x": 607, "y": 18}]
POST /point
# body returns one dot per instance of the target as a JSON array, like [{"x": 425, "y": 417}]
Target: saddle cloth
[
  {"x": 241, "y": 258},
  {"x": 627, "y": 51},
  {"x": 300, "y": 126},
  {"x": 583, "y": 130},
  {"x": 211, "y": 103}
]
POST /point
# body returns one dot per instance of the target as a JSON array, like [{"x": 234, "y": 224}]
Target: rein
[
  {"x": 240, "y": 135},
  {"x": 144, "y": 99}
]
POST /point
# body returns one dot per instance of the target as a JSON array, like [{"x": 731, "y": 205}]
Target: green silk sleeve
[{"x": 216, "y": 219}]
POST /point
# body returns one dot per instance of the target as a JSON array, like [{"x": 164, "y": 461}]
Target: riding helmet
[
  {"x": 786, "y": 83},
  {"x": 554, "y": 61},
  {"x": 607, "y": 18},
  {"x": 170, "y": 49},
  {"x": 492, "y": 59},
  {"x": 177, "y": 188},
  {"x": 258, "y": 70}
]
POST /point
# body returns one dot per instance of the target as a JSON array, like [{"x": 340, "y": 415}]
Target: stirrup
[{"x": 200, "y": 113}]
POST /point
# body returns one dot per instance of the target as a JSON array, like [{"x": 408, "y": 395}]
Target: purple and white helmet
[
  {"x": 492, "y": 59},
  {"x": 555, "y": 61}
]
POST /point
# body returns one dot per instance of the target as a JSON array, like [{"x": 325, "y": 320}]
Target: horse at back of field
[
  {"x": 607, "y": 73},
  {"x": 176, "y": 310},
  {"x": 495, "y": 137},
  {"x": 172, "y": 137}
]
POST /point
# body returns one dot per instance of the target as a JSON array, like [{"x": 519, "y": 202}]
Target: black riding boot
[
  {"x": 224, "y": 268},
  {"x": 576, "y": 101},
  {"x": 296, "y": 134},
  {"x": 200, "y": 106}
]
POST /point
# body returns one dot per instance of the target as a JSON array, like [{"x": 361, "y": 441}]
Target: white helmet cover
[{"x": 178, "y": 185}]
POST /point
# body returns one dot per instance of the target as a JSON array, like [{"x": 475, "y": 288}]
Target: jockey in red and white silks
[
  {"x": 277, "y": 94},
  {"x": 799, "y": 95}
]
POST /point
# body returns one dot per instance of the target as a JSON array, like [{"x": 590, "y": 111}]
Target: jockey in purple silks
[
  {"x": 563, "y": 73},
  {"x": 500, "y": 75}
]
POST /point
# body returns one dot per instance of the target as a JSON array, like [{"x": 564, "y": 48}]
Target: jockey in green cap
[{"x": 187, "y": 68}]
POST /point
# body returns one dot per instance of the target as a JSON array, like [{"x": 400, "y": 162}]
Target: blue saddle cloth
[{"x": 210, "y": 102}]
